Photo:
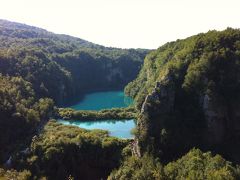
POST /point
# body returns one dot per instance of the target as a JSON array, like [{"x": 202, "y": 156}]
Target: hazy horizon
[{"x": 125, "y": 24}]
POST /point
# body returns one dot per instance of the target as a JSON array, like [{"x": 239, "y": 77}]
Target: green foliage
[
  {"x": 198, "y": 165},
  {"x": 87, "y": 115},
  {"x": 20, "y": 112},
  {"x": 195, "y": 165},
  {"x": 63, "y": 150},
  {"x": 145, "y": 168},
  {"x": 193, "y": 59},
  {"x": 60, "y": 66},
  {"x": 13, "y": 174},
  {"x": 179, "y": 75},
  {"x": 36, "y": 65}
]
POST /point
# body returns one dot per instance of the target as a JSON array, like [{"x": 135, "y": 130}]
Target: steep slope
[
  {"x": 20, "y": 114},
  {"x": 188, "y": 94},
  {"x": 61, "y": 66}
]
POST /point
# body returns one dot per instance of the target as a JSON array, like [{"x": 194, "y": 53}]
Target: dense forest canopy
[
  {"x": 21, "y": 112},
  {"x": 61, "y": 151},
  {"x": 194, "y": 165}
]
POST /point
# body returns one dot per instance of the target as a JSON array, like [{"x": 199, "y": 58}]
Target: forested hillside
[
  {"x": 21, "y": 113},
  {"x": 63, "y": 151},
  {"x": 188, "y": 95},
  {"x": 61, "y": 66},
  {"x": 40, "y": 69}
]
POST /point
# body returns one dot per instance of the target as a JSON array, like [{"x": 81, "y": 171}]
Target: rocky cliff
[{"x": 191, "y": 89}]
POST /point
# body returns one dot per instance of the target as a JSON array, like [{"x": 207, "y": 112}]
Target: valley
[{"x": 64, "y": 113}]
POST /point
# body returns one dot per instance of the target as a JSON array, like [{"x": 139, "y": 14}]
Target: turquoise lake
[
  {"x": 116, "y": 128},
  {"x": 104, "y": 100}
]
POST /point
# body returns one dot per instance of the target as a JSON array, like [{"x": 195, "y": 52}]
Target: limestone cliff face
[
  {"x": 114, "y": 74},
  {"x": 89, "y": 74},
  {"x": 214, "y": 119},
  {"x": 222, "y": 120},
  {"x": 163, "y": 95},
  {"x": 62, "y": 94},
  {"x": 157, "y": 104},
  {"x": 188, "y": 93},
  {"x": 118, "y": 74},
  {"x": 174, "y": 118}
]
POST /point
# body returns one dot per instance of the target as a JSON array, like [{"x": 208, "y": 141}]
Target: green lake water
[{"x": 104, "y": 100}]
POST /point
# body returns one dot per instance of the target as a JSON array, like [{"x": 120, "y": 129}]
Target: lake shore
[{"x": 110, "y": 110}]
